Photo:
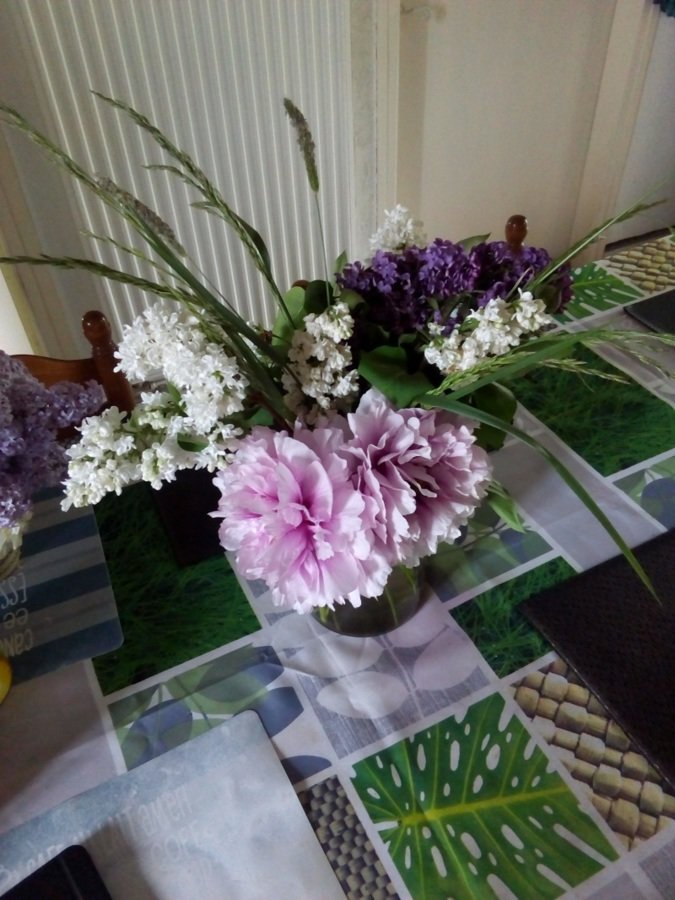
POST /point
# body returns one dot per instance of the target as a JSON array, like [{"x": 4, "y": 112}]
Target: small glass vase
[
  {"x": 11, "y": 540},
  {"x": 402, "y": 597}
]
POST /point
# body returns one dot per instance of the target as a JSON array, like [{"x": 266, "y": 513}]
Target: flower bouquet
[
  {"x": 32, "y": 454},
  {"x": 352, "y": 439}
]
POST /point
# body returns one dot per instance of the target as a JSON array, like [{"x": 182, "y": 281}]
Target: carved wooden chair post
[{"x": 100, "y": 366}]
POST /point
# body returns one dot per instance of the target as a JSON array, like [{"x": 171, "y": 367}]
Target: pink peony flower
[
  {"x": 293, "y": 518},
  {"x": 322, "y": 516},
  {"x": 421, "y": 475},
  {"x": 450, "y": 479},
  {"x": 381, "y": 440}
]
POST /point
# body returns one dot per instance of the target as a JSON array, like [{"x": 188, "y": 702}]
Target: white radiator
[{"x": 212, "y": 74}]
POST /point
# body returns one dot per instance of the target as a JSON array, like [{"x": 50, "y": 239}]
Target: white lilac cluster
[
  {"x": 491, "y": 331},
  {"x": 170, "y": 341},
  {"x": 320, "y": 363},
  {"x": 182, "y": 426},
  {"x": 398, "y": 231}
]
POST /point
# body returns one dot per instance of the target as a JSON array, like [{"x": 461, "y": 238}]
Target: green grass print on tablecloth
[
  {"x": 470, "y": 808},
  {"x": 168, "y": 614},
  {"x": 493, "y": 622},
  {"x": 611, "y": 425},
  {"x": 491, "y": 550}
]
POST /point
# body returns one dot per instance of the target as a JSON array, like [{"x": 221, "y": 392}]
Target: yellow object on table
[{"x": 5, "y": 677}]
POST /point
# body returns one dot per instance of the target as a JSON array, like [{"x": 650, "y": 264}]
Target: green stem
[{"x": 323, "y": 248}]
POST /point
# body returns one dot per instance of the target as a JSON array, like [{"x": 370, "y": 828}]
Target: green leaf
[
  {"x": 470, "y": 803},
  {"x": 505, "y": 506},
  {"x": 318, "y": 295},
  {"x": 496, "y": 399},
  {"x": 256, "y": 241},
  {"x": 469, "y": 242},
  {"x": 261, "y": 417},
  {"x": 341, "y": 262},
  {"x": 382, "y": 368},
  {"x": 294, "y": 300},
  {"x": 174, "y": 393},
  {"x": 191, "y": 443},
  {"x": 351, "y": 298},
  {"x": 464, "y": 409}
]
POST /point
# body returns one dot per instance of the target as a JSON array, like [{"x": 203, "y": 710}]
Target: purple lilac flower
[
  {"x": 501, "y": 269},
  {"x": 31, "y": 415},
  {"x": 398, "y": 287}
]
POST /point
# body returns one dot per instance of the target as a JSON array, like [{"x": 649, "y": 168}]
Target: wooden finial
[
  {"x": 97, "y": 330},
  {"x": 515, "y": 233}
]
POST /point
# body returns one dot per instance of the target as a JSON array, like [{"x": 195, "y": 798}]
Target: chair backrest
[{"x": 100, "y": 366}]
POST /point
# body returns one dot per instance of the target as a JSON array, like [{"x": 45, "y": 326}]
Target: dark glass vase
[{"x": 403, "y": 596}]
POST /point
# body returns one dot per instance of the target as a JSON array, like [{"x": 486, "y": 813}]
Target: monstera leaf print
[
  {"x": 596, "y": 289},
  {"x": 471, "y": 808}
]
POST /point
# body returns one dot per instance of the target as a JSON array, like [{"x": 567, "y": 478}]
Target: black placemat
[
  {"x": 621, "y": 643},
  {"x": 657, "y": 313}
]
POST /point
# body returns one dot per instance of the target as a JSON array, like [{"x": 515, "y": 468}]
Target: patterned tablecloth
[{"x": 457, "y": 756}]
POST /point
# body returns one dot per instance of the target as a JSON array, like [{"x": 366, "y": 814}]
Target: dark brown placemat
[
  {"x": 657, "y": 313},
  {"x": 621, "y": 643},
  {"x": 184, "y": 506}
]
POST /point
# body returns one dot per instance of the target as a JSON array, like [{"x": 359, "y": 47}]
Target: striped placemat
[{"x": 58, "y": 607}]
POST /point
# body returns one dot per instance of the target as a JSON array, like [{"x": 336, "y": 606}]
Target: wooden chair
[{"x": 100, "y": 366}]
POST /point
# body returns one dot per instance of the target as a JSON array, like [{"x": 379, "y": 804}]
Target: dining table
[{"x": 506, "y": 741}]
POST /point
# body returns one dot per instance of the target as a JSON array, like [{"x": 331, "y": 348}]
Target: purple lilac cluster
[
  {"x": 405, "y": 291},
  {"x": 397, "y": 287},
  {"x": 31, "y": 415},
  {"x": 501, "y": 270}
]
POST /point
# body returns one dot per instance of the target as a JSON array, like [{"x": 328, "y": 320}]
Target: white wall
[
  {"x": 13, "y": 337},
  {"x": 499, "y": 112}
]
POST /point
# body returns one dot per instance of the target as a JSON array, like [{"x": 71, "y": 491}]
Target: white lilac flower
[
  {"x": 320, "y": 361},
  {"x": 530, "y": 314},
  {"x": 398, "y": 231},
  {"x": 141, "y": 350},
  {"x": 116, "y": 450},
  {"x": 171, "y": 342},
  {"x": 444, "y": 353},
  {"x": 495, "y": 329}
]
